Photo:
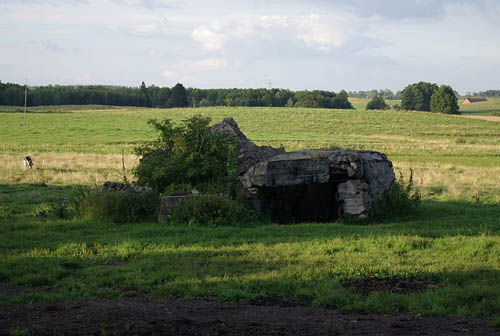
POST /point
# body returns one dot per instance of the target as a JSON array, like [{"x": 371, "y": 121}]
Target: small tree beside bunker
[{"x": 188, "y": 153}]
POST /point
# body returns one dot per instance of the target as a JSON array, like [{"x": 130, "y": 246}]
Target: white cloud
[
  {"x": 322, "y": 32},
  {"x": 273, "y": 21},
  {"x": 168, "y": 74},
  {"x": 49, "y": 45},
  {"x": 365, "y": 44},
  {"x": 190, "y": 80},
  {"x": 209, "y": 37},
  {"x": 146, "y": 29},
  {"x": 86, "y": 78},
  {"x": 207, "y": 64}
]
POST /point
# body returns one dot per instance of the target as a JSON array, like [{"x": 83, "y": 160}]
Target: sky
[{"x": 314, "y": 44}]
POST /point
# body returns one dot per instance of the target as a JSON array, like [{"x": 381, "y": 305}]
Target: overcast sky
[{"x": 314, "y": 44}]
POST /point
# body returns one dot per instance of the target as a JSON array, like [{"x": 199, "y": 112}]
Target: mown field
[
  {"x": 491, "y": 107},
  {"x": 453, "y": 239}
]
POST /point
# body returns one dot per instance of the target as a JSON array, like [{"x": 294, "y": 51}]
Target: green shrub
[
  {"x": 5, "y": 212},
  {"x": 123, "y": 206},
  {"x": 177, "y": 189},
  {"x": 403, "y": 199},
  {"x": 495, "y": 322},
  {"x": 377, "y": 103},
  {"x": 213, "y": 210},
  {"x": 187, "y": 154}
]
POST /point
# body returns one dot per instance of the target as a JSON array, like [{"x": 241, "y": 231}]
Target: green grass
[
  {"x": 454, "y": 239},
  {"x": 456, "y": 244},
  {"x": 490, "y": 107},
  {"x": 110, "y": 131}
]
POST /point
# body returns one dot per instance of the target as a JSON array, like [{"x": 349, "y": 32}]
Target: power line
[{"x": 25, "y": 100}]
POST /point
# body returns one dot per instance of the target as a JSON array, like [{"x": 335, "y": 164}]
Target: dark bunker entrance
[{"x": 316, "y": 202}]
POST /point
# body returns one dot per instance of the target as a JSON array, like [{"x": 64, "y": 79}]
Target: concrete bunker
[{"x": 310, "y": 185}]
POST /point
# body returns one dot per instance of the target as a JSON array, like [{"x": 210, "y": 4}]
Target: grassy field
[
  {"x": 491, "y": 107},
  {"x": 454, "y": 239}
]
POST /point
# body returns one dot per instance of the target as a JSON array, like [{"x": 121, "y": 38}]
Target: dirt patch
[
  {"x": 11, "y": 290},
  {"x": 393, "y": 284},
  {"x": 486, "y": 118},
  {"x": 138, "y": 316}
]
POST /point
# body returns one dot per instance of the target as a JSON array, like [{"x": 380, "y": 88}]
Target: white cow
[{"x": 28, "y": 162}]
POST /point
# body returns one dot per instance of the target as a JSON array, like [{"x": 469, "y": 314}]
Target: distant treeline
[
  {"x": 487, "y": 93},
  {"x": 385, "y": 93},
  {"x": 177, "y": 96}
]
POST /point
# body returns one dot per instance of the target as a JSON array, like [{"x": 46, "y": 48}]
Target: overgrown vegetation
[
  {"x": 120, "y": 206},
  {"x": 213, "y": 211},
  {"x": 192, "y": 157},
  {"x": 187, "y": 154},
  {"x": 402, "y": 200}
]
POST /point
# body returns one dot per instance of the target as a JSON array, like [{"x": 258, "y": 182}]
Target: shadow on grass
[
  {"x": 433, "y": 219},
  {"x": 229, "y": 275},
  {"x": 82, "y": 259}
]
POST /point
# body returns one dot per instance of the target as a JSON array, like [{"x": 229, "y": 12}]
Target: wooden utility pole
[{"x": 25, "y": 100}]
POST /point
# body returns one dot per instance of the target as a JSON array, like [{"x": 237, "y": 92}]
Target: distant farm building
[{"x": 473, "y": 100}]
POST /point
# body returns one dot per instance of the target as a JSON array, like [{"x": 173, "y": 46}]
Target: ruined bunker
[{"x": 309, "y": 185}]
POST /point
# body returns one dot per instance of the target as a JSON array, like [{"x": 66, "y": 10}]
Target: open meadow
[{"x": 452, "y": 243}]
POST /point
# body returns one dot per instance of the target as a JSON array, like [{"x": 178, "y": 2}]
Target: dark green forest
[{"x": 176, "y": 96}]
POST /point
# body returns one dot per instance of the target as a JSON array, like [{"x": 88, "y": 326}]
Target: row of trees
[
  {"x": 13, "y": 94},
  {"x": 384, "y": 93},
  {"x": 176, "y": 96},
  {"x": 422, "y": 96},
  {"x": 487, "y": 93}
]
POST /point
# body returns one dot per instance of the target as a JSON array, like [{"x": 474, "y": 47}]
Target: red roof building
[{"x": 473, "y": 100}]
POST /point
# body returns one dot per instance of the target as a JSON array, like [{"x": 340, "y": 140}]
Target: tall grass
[{"x": 121, "y": 206}]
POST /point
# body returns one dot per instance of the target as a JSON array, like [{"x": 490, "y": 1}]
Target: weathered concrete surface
[
  {"x": 289, "y": 169},
  {"x": 250, "y": 153},
  {"x": 313, "y": 184},
  {"x": 168, "y": 203},
  {"x": 354, "y": 195}
]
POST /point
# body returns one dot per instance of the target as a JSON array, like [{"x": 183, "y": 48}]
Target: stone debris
[
  {"x": 168, "y": 203},
  {"x": 117, "y": 186}
]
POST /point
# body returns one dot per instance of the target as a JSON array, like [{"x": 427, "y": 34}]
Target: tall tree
[
  {"x": 144, "y": 91},
  {"x": 444, "y": 101},
  {"x": 341, "y": 101},
  {"x": 417, "y": 96},
  {"x": 178, "y": 98}
]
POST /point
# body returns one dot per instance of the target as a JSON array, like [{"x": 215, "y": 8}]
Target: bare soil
[
  {"x": 139, "y": 316},
  {"x": 392, "y": 284}
]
